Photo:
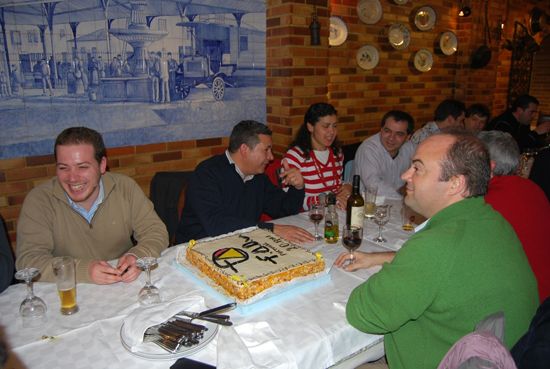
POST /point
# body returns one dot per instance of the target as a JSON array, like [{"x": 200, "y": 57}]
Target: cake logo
[{"x": 229, "y": 257}]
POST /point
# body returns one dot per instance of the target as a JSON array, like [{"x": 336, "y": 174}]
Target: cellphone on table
[{"x": 186, "y": 363}]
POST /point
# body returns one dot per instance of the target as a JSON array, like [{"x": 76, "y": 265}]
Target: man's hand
[
  {"x": 292, "y": 176},
  {"x": 363, "y": 260},
  {"x": 293, "y": 233},
  {"x": 128, "y": 268},
  {"x": 101, "y": 272},
  {"x": 342, "y": 195},
  {"x": 543, "y": 128}
]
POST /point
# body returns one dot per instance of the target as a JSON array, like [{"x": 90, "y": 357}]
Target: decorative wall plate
[
  {"x": 448, "y": 43},
  {"x": 338, "y": 32},
  {"x": 400, "y": 2},
  {"x": 369, "y": 11},
  {"x": 399, "y": 36},
  {"x": 425, "y": 18},
  {"x": 423, "y": 60},
  {"x": 367, "y": 57}
]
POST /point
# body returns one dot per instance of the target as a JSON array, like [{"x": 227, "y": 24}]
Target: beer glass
[
  {"x": 407, "y": 217},
  {"x": 65, "y": 278},
  {"x": 369, "y": 195}
]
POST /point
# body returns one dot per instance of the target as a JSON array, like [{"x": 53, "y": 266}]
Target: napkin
[
  {"x": 251, "y": 346},
  {"x": 137, "y": 322}
]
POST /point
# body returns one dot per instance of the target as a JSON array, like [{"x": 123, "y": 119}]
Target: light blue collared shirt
[{"x": 89, "y": 214}]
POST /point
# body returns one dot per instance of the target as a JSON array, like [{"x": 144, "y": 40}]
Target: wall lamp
[
  {"x": 465, "y": 10},
  {"x": 315, "y": 29}
]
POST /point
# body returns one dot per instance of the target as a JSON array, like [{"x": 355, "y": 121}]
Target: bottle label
[{"x": 357, "y": 216}]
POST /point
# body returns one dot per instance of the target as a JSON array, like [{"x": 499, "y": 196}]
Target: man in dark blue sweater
[{"x": 230, "y": 191}]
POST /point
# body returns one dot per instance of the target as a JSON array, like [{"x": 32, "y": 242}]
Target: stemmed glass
[
  {"x": 33, "y": 309},
  {"x": 316, "y": 214},
  {"x": 149, "y": 294},
  {"x": 381, "y": 217},
  {"x": 352, "y": 238}
]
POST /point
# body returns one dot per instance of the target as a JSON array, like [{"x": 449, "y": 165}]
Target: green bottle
[{"x": 331, "y": 220}]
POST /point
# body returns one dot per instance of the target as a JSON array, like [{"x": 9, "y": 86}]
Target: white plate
[
  {"x": 369, "y": 11},
  {"x": 448, "y": 43},
  {"x": 367, "y": 57},
  {"x": 423, "y": 60},
  {"x": 338, "y": 32},
  {"x": 424, "y": 18},
  {"x": 399, "y": 36},
  {"x": 154, "y": 352}
]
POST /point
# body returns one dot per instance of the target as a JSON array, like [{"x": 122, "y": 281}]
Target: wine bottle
[
  {"x": 331, "y": 220},
  {"x": 355, "y": 208}
]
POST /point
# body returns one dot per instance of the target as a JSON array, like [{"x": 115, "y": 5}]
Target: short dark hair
[
  {"x": 523, "y": 102},
  {"x": 246, "y": 132},
  {"x": 399, "y": 116},
  {"x": 504, "y": 151},
  {"x": 480, "y": 110},
  {"x": 469, "y": 157},
  {"x": 448, "y": 107},
  {"x": 79, "y": 136},
  {"x": 313, "y": 114}
]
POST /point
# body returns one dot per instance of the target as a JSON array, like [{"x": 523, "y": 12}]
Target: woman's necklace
[{"x": 330, "y": 162}]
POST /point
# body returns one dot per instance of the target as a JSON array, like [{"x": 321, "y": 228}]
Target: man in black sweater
[
  {"x": 230, "y": 191},
  {"x": 517, "y": 120}
]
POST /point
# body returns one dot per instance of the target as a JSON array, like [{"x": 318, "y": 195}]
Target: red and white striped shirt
[{"x": 322, "y": 171}]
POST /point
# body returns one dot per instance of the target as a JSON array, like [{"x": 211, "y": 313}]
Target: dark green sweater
[{"x": 465, "y": 264}]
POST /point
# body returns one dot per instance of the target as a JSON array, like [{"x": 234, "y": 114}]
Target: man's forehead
[
  {"x": 396, "y": 125},
  {"x": 434, "y": 147}
]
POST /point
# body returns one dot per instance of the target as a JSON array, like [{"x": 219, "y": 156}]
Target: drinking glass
[
  {"x": 65, "y": 279},
  {"x": 351, "y": 239},
  {"x": 407, "y": 216},
  {"x": 149, "y": 294},
  {"x": 33, "y": 309},
  {"x": 369, "y": 195},
  {"x": 381, "y": 217},
  {"x": 316, "y": 214}
]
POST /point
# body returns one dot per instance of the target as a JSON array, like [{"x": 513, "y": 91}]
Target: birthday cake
[{"x": 245, "y": 264}]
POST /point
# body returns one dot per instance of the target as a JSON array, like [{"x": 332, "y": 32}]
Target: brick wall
[{"x": 299, "y": 74}]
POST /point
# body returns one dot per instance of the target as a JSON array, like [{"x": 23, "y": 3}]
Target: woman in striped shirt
[{"x": 316, "y": 153}]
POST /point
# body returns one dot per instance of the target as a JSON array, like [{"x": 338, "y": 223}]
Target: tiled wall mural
[{"x": 138, "y": 71}]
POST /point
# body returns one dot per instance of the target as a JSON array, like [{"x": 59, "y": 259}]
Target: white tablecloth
[{"x": 310, "y": 329}]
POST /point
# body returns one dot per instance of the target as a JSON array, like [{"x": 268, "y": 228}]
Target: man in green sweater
[
  {"x": 88, "y": 213},
  {"x": 463, "y": 265}
]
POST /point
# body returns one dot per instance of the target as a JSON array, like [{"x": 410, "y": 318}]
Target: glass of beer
[
  {"x": 407, "y": 216},
  {"x": 65, "y": 278},
  {"x": 371, "y": 191}
]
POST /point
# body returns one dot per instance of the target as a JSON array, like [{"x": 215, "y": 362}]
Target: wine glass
[
  {"x": 351, "y": 239},
  {"x": 381, "y": 217},
  {"x": 316, "y": 214},
  {"x": 33, "y": 309},
  {"x": 149, "y": 294}
]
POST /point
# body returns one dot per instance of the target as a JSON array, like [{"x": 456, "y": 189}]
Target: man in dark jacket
[
  {"x": 230, "y": 191},
  {"x": 517, "y": 121}
]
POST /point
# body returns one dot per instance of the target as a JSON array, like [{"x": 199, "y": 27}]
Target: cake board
[{"x": 265, "y": 299}]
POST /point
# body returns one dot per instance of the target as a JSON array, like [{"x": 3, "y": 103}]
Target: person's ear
[
  {"x": 458, "y": 185},
  {"x": 103, "y": 165},
  {"x": 243, "y": 149},
  {"x": 493, "y": 165},
  {"x": 309, "y": 127}
]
